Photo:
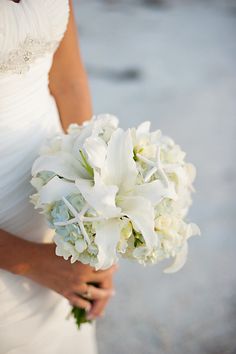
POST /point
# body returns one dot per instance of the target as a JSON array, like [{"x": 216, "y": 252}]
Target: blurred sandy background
[{"x": 174, "y": 63}]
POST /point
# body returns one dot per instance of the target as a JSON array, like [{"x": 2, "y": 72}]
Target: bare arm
[
  {"x": 15, "y": 253},
  {"x": 68, "y": 80}
]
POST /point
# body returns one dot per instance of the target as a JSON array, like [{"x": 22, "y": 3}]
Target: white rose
[{"x": 163, "y": 222}]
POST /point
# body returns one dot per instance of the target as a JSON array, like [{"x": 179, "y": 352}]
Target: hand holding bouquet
[{"x": 110, "y": 193}]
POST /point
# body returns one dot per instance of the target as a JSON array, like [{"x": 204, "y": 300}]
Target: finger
[
  {"x": 77, "y": 301},
  {"x": 98, "y": 306},
  {"x": 107, "y": 284},
  {"x": 97, "y": 309},
  {"x": 91, "y": 292},
  {"x": 98, "y": 293},
  {"x": 79, "y": 288}
]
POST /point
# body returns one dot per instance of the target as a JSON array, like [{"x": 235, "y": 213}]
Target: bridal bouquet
[{"x": 111, "y": 193}]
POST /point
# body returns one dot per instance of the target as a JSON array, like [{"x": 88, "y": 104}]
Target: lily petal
[
  {"x": 179, "y": 261},
  {"x": 107, "y": 238},
  {"x": 141, "y": 213},
  {"x": 154, "y": 191},
  {"x": 120, "y": 168},
  {"x": 82, "y": 136},
  {"x": 96, "y": 150},
  {"x": 55, "y": 189},
  {"x": 62, "y": 164},
  {"x": 100, "y": 196}
]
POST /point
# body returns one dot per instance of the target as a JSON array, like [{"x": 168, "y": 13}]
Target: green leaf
[
  {"x": 80, "y": 316},
  {"x": 137, "y": 242},
  {"x": 79, "y": 313},
  {"x": 135, "y": 155},
  {"x": 138, "y": 239},
  {"x": 85, "y": 164}
]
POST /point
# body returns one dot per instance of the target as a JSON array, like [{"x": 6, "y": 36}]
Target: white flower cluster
[{"x": 110, "y": 193}]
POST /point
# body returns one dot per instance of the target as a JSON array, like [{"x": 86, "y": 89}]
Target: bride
[{"x": 43, "y": 88}]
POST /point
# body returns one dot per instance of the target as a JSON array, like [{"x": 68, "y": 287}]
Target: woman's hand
[
  {"x": 39, "y": 262},
  {"x": 70, "y": 280}
]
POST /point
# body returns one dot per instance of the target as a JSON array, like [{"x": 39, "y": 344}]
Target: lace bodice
[{"x": 29, "y": 30}]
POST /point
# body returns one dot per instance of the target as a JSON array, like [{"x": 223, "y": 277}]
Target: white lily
[
  {"x": 99, "y": 196},
  {"x": 61, "y": 163},
  {"x": 107, "y": 238},
  {"x": 144, "y": 141},
  {"x": 96, "y": 150},
  {"x": 56, "y": 189},
  {"x": 66, "y": 160},
  {"x": 116, "y": 194}
]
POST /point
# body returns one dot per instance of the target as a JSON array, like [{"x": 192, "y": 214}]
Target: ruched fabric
[{"x": 32, "y": 317}]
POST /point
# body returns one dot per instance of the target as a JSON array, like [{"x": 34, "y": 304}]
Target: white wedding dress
[{"x": 32, "y": 318}]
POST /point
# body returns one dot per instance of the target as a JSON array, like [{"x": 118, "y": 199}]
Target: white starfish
[
  {"x": 79, "y": 218},
  {"x": 155, "y": 167}
]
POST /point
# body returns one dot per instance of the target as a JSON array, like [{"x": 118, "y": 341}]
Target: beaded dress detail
[{"x": 18, "y": 61}]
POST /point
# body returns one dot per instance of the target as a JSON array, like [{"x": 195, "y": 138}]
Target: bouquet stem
[
  {"x": 79, "y": 313},
  {"x": 80, "y": 316}
]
